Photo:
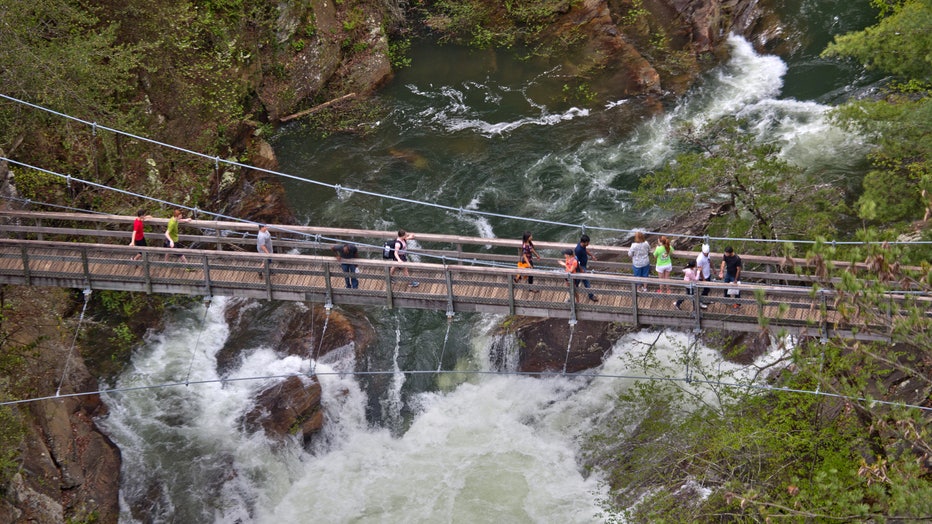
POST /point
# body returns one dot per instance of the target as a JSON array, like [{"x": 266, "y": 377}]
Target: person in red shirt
[{"x": 139, "y": 232}]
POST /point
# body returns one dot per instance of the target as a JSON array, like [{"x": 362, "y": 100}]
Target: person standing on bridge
[
  {"x": 139, "y": 231},
  {"x": 705, "y": 270},
  {"x": 400, "y": 254},
  {"x": 731, "y": 272},
  {"x": 690, "y": 276},
  {"x": 583, "y": 255},
  {"x": 664, "y": 255},
  {"x": 171, "y": 233},
  {"x": 264, "y": 244},
  {"x": 640, "y": 257},
  {"x": 344, "y": 253},
  {"x": 528, "y": 253}
]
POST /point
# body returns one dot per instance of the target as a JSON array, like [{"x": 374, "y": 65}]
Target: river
[{"x": 473, "y": 131}]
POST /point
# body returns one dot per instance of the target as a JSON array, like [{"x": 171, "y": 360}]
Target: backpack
[
  {"x": 572, "y": 265},
  {"x": 388, "y": 250}
]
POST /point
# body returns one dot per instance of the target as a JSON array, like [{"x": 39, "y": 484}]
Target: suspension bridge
[{"x": 454, "y": 274}]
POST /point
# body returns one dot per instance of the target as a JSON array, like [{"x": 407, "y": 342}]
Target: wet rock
[
  {"x": 290, "y": 409},
  {"x": 739, "y": 348},
  {"x": 544, "y": 344},
  {"x": 290, "y": 328}
]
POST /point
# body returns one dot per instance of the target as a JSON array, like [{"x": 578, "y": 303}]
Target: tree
[
  {"x": 766, "y": 196},
  {"x": 900, "y": 43},
  {"x": 826, "y": 431},
  {"x": 57, "y": 54},
  {"x": 899, "y": 187}
]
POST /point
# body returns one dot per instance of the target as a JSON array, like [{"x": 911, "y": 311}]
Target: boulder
[
  {"x": 290, "y": 409},
  {"x": 543, "y": 344},
  {"x": 290, "y": 328}
]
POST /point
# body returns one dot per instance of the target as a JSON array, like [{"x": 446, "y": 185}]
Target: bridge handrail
[
  {"x": 258, "y": 258},
  {"x": 233, "y": 233},
  {"x": 320, "y": 278}
]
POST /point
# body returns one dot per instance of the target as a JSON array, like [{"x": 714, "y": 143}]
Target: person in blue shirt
[
  {"x": 583, "y": 255},
  {"x": 345, "y": 253}
]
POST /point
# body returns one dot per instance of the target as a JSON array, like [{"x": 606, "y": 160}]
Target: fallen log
[{"x": 316, "y": 108}]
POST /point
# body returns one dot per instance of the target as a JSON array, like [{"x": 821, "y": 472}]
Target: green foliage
[
  {"x": 889, "y": 198},
  {"x": 36, "y": 185},
  {"x": 122, "y": 303},
  {"x": 672, "y": 455},
  {"x": 12, "y": 432},
  {"x": 900, "y": 43},
  {"x": 768, "y": 197},
  {"x": 634, "y": 13},
  {"x": 581, "y": 93},
  {"x": 484, "y": 25},
  {"x": 899, "y": 188},
  {"x": 398, "y": 49}
]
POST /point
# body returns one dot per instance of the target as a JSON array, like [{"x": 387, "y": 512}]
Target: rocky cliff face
[{"x": 68, "y": 469}]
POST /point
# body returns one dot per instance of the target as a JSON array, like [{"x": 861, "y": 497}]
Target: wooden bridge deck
[
  {"x": 464, "y": 274},
  {"x": 445, "y": 287}
]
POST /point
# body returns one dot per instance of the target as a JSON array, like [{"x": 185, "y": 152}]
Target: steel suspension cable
[
  {"x": 446, "y": 337},
  {"x": 320, "y": 343},
  {"x": 316, "y": 237},
  {"x": 197, "y": 342},
  {"x": 87, "y": 297},
  {"x": 532, "y": 374},
  {"x": 337, "y": 187}
]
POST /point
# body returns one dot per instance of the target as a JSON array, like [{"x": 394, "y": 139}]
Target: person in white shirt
[{"x": 704, "y": 265}]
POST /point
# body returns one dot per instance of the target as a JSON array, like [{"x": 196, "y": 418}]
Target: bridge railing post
[
  {"x": 572, "y": 299},
  {"x": 388, "y": 288},
  {"x": 449, "y": 278},
  {"x": 87, "y": 268},
  {"x": 26, "y": 272},
  {"x": 634, "y": 302},
  {"x": 145, "y": 271},
  {"x": 697, "y": 307},
  {"x": 328, "y": 286},
  {"x": 268, "y": 277},
  {"x": 511, "y": 295},
  {"x": 207, "y": 283}
]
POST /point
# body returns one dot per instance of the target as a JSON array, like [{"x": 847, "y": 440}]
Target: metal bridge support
[
  {"x": 511, "y": 296},
  {"x": 572, "y": 300},
  {"x": 328, "y": 293},
  {"x": 823, "y": 324},
  {"x": 697, "y": 310},
  {"x": 267, "y": 265},
  {"x": 87, "y": 268},
  {"x": 634, "y": 302}
]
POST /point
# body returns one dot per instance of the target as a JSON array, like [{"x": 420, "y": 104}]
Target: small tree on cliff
[
  {"x": 899, "y": 187},
  {"x": 766, "y": 196}
]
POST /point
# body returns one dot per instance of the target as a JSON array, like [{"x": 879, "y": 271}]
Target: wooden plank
[{"x": 475, "y": 288}]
